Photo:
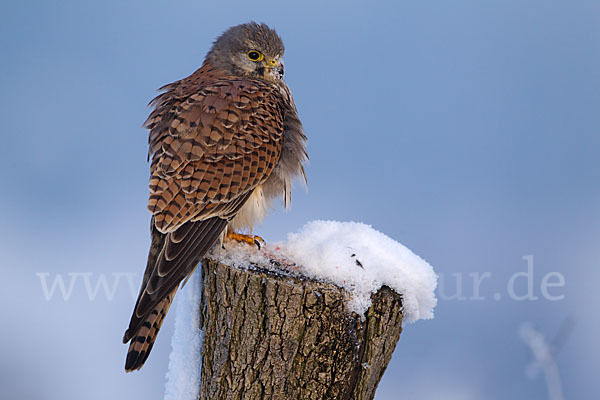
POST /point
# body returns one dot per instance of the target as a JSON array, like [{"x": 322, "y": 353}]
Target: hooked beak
[{"x": 275, "y": 67}]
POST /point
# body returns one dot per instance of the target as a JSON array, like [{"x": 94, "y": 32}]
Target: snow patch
[
  {"x": 348, "y": 254},
  {"x": 352, "y": 255},
  {"x": 185, "y": 362}
]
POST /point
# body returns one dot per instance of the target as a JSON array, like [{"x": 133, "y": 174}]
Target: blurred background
[{"x": 466, "y": 130}]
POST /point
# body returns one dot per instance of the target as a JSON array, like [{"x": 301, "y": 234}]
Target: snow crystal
[
  {"x": 185, "y": 363},
  {"x": 348, "y": 254}
]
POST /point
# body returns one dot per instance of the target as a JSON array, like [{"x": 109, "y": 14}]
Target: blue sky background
[{"x": 467, "y": 130}]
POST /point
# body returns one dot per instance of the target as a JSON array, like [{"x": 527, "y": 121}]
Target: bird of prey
[{"x": 224, "y": 142}]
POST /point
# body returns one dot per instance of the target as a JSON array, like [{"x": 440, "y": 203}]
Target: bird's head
[{"x": 249, "y": 50}]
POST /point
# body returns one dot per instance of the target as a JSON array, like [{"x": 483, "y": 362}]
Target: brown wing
[
  {"x": 213, "y": 139},
  {"x": 211, "y": 147}
]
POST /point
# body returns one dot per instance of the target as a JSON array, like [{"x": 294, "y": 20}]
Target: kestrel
[{"x": 224, "y": 142}]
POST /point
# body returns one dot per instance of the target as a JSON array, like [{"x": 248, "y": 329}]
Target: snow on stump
[{"x": 317, "y": 317}]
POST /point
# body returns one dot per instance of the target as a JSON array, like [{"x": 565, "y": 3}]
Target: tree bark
[{"x": 273, "y": 335}]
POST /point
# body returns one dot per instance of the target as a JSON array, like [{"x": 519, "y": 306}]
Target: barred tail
[{"x": 141, "y": 344}]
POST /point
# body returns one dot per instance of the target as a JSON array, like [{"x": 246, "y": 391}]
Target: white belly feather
[{"x": 253, "y": 212}]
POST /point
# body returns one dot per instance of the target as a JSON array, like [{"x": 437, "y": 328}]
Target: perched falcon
[{"x": 224, "y": 142}]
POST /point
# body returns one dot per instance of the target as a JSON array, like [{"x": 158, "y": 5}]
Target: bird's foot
[{"x": 250, "y": 239}]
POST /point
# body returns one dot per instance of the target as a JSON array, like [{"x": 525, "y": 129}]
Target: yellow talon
[{"x": 250, "y": 239}]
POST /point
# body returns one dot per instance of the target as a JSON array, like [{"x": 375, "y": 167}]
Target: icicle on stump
[{"x": 269, "y": 335}]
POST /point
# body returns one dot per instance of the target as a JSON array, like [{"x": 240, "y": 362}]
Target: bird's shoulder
[
  {"x": 212, "y": 141},
  {"x": 211, "y": 105}
]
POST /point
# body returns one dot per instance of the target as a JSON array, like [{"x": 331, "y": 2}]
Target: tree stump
[{"x": 271, "y": 335}]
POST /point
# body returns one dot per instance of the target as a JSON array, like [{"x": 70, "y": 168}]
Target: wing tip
[{"x": 126, "y": 337}]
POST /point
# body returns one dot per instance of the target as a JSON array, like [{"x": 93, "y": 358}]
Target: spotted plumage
[{"x": 223, "y": 142}]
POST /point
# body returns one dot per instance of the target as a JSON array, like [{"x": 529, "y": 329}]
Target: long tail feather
[{"x": 142, "y": 342}]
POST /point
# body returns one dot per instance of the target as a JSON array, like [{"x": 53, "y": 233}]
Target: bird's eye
[{"x": 255, "y": 55}]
